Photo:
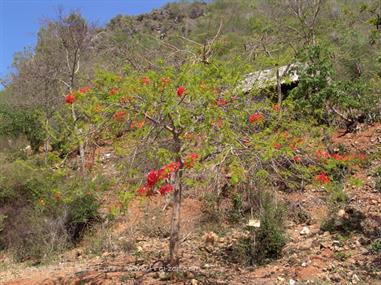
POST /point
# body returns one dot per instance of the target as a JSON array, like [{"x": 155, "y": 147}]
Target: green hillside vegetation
[{"x": 160, "y": 90}]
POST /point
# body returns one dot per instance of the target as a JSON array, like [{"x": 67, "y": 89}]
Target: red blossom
[
  {"x": 165, "y": 80},
  {"x": 84, "y": 90},
  {"x": 276, "y": 107},
  {"x": 277, "y": 145},
  {"x": 119, "y": 115},
  {"x": 166, "y": 188},
  {"x": 361, "y": 156},
  {"x": 70, "y": 98},
  {"x": 113, "y": 91},
  {"x": 297, "y": 158},
  {"x": 144, "y": 190},
  {"x": 218, "y": 123},
  {"x": 180, "y": 91},
  {"x": 190, "y": 160},
  {"x": 136, "y": 124},
  {"x": 321, "y": 154},
  {"x": 145, "y": 80},
  {"x": 294, "y": 147},
  {"x": 168, "y": 169},
  {"x": 338, "y": 157},
  {"x": 221, "y": 102},
  {"x": 153, "y": 177},
  {"x": 322, "y": 178},
  {"x": 256, "y": 117}
]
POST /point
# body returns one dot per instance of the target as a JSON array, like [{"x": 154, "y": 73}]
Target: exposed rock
[
  {"x": 268, "y": 78},
  {"x": 305, "y": 231},
  {"x": 335, "y": 277},
  {"x": 355, "y": 279}
]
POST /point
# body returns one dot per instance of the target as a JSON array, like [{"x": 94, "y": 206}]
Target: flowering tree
[
  {"x": 188, "y": 120},
  {"x": 180, "y": 108}
]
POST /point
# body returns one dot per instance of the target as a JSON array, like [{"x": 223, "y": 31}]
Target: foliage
[
  {"x": 177, "y": 121},
  {"x": 17, "y": 122},
  {"x": 320, "y": 94},
  {"x": 377, "y": 175},
  {"x": 50, "y": 206},
  {"x": 263, "y": 244}
]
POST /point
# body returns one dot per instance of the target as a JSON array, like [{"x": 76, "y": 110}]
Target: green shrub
[
  {"x": 30, "y": 235},
  {"x": 377, "y": 177},
  {"x": 209, "y": 208},
  {"x": 20, "y": 121},
  {"x": 375, "y": 246},
  {"x": 265, "y": 243},
  {"x": 45, "y": 211}
]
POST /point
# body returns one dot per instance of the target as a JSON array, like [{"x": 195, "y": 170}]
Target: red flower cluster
[
  {"x": 118, "y": 116},
  {"x": 165, "y": 80},
  {"x": 360, "y": 156},
  {"x": 277, "y": 145},
  {"x": 84, "y": 90},
  {"x": 321, "y": 154},
  {"x": 144, "y": 190},
  {"x": 276, "y": 107},
  {"x": 322, "y": 178},
  {"x": 113, "y": 91},
  {"x": 297, "y": 158},
  {"x": 166, "y": 188},
  {"x": 190, "y": 160},
  {"x": 152, "y": 178},
  {"x": 145, "y": 80},
  {"x": 168, "y": 169},
  {"x": 256, "y": 117},
  {"x": 137, "y": 124},
  {"x": 157, "y": 175},
  {"x": 221, "y": 102},
  {"x": 70, "y": 98},
  {"x": 180, "y": 91}
]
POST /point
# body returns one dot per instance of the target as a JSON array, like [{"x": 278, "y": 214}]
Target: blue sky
[{"x": 20, "y": 19}]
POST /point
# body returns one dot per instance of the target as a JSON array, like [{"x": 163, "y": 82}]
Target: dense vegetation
[{"x": 161, "y": 89}]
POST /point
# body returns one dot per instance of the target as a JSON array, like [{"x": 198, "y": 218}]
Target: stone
[
  {"x": 335, "y": 277},
  {"x": 341, "y": 213},
  {"x": 194, "y": 282},
  {"x": 292, "y": 282},
  {"x": 163, "y": 276},
  {"x": 305, "y": 231},
  {"x": 355, "y": 279}
]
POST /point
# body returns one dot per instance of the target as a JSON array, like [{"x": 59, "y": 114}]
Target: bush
[
  {"x": 15, "y": 122},
  {"x": 29, "y": 235},
  {"x": 377, "y": 176},
  {"x": 375, "y": 246},
  {"x": 44, "y": 211},
  {"x": 263, "y": 244}
]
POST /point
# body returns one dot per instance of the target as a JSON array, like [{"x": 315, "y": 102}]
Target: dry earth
[{"x": 312, "y": 256}]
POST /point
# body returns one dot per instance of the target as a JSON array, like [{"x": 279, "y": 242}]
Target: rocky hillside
[{"x": 325, "y": 245}]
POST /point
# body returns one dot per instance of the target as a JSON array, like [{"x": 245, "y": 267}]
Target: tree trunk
[
  {"x": 279, "y": 90},
  {"x": 47, "y": 142},
  {"x": 174, "y": 241},
  {"x": 175, "y": 224},
  {"x": 78, "y": 133}
]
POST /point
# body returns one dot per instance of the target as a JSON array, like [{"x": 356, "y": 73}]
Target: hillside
[{"x": 227, "y": 142}]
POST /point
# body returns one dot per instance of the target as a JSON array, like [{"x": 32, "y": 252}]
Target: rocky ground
[{"x": 311, "y": 256}]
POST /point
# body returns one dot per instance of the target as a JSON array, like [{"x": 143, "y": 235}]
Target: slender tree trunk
[
  {"x": 78, "y": 133},
  {"x": 47, "y": 141},
  {"x": 279, "y": 90},
  {"x": 175, "y": 224},
  {"x": 174, "y": 241}
]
